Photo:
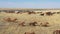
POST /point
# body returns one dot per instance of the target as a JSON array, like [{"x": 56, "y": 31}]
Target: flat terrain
[{"x": 14, "y": 28}]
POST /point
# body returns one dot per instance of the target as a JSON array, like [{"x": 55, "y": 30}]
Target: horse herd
[
  {"x": 34, "y": 23},
  {"x": 45, "y": 24},
  {"x": 42, "y": 13},
  {"x": 32, "y": 12},
  {"x": 54, "y": 32}
]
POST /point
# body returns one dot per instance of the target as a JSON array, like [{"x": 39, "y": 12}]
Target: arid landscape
[{"x": 30, "y": 21}]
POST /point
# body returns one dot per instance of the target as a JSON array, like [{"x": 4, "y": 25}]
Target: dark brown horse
[
  {"x": 49, "y": 13},
  {"x": 42, "y": 14},
  {"x": 58, "y": 12}
]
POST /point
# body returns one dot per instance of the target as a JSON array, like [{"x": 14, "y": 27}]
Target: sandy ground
[{"x": 13, "y": 28}]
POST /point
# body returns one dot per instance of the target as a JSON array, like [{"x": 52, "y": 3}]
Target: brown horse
[
  {"x": 22, "y": 24},
  {"x": 7, "y": 19},
  {"x": 31, "y": 12},
  {"x": 10, "y": 19},
  {"x": 29, "y": 33},
  {"x": 56, "y": 32},
  {"x": 45, "y": 24},
  {"x": 33, "y": 23},
  {"x": 13, "y": 20}
]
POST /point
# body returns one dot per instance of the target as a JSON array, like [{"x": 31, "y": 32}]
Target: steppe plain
[{"x": 14, "y": 28}]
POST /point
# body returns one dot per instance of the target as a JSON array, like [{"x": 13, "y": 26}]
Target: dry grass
[{"x": 14, "y": 28}]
